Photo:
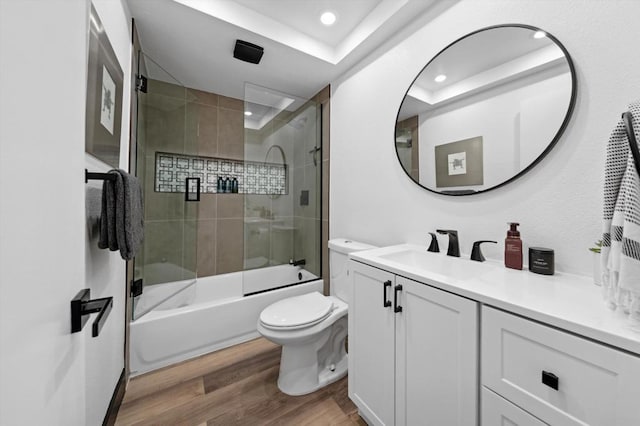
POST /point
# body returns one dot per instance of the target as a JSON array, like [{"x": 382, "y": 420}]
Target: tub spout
[{"x": 299, "y": 262}]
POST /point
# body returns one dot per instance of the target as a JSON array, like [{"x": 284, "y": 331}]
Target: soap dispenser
[{"x": 513, "y": 247}]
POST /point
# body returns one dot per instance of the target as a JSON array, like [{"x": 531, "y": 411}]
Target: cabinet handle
[
  {"x": 550, "y": 379},
  {"x": 396, "y": 308},
  {"x": 386, "y": 303}
]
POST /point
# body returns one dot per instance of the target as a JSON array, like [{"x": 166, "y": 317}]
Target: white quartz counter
[{"x": 567, "y": 301}]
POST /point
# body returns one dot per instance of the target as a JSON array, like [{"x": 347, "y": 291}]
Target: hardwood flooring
[{"x": 234, "y": 386}]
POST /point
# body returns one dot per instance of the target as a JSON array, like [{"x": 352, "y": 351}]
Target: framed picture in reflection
[
  {"x": 459, "y": 163},
  {"x": 104, "y": 96}
]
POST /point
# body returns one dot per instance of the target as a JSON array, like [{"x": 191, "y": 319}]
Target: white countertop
[{"x": 567, "y": 301}]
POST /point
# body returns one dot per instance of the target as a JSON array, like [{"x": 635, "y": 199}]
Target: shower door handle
[
  {"x": 192, "y": 189},
  {"x": 385, "y": 302}
]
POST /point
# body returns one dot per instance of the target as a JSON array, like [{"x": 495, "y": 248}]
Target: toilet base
[
  {"x": 312, "y": 357},
  {"x": 326, "y": 377}
]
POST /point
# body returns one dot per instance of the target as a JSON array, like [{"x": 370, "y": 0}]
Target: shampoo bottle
[{"x": 513, "y": 248}]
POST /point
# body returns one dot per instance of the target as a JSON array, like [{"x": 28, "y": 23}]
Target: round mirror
[{"x": 485, "y": 110}]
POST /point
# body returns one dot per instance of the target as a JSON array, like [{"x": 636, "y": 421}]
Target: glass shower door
[
  {"x": 282, "y": 187},
  {"x": 164, "y": 150}
]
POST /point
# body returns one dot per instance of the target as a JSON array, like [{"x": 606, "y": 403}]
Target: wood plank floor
[{"x": 234, "y": 386}]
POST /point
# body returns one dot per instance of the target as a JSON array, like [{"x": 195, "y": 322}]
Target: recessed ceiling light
[
  {"x": 248, "y": 113},
  {"x": 539, "y": 34},
  {"x": 328, "y": 18},
  {"x": 440, "y": 78}
]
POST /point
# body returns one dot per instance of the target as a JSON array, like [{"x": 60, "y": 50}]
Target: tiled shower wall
[
  {"x": 198, "y": 123},
  {"x": 193, "y": 122}
]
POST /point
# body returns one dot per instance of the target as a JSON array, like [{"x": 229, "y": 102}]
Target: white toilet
[{"x": 312, "y": 328}]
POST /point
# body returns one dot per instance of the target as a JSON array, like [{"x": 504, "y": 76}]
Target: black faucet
[
  {"x": 434, "y": 247},
  {"x": 297, "y": 262},
  {"x": 476, "y": 254},
  {"x": 454, "y": 247}
]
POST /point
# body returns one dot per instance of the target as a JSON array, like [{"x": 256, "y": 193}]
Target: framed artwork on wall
[
  {"x": 459, "y": 163},
  {"x": 104, "y": 96}
]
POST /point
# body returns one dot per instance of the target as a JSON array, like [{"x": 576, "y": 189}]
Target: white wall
[
  {"x": 105, "y": 270},
  {"x": 48, "y": 375},
  {"x": 527, "y": 117},
  {"x": 558, "y": 203}
]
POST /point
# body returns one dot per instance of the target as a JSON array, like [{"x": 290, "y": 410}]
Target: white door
[
  {"x": 436, "y": 358},
  {"x": 371, "y": 343}
]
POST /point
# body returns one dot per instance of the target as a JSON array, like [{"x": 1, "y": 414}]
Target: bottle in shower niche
[
  {"x": 513, "y": 247},
  {"x": 234, "y": 185},
  {"x": 220, "y": 185},
  {"x": 227, "y": 185}
]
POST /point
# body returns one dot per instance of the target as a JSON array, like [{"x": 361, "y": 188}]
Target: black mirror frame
[{"x": 551, "y": 144}]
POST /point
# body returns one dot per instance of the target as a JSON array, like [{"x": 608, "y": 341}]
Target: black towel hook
[
  {"x": 633, "y": 144},
  {"x": 98, "y": 176}
]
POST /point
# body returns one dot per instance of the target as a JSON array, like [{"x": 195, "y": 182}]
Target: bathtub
[{"x": 211, "y": 314}]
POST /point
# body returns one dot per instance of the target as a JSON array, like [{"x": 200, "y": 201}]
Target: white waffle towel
[{"x": 621, "y": 223}]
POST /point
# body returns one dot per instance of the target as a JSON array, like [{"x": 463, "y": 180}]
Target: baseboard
[{"x": 116, "y": 400}]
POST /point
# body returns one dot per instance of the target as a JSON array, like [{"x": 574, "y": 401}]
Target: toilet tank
[{"x": 339, "y": 249}]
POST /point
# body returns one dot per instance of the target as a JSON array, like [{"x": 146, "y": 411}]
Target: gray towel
[
  {"x": 93, "y": 203},
  {"x": 121, "y": 224}
]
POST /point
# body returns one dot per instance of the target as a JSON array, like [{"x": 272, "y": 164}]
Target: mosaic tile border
[{"x": 253, "y": 177}]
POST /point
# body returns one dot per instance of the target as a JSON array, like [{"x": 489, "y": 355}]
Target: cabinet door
[
  {"x": 497, "y": 411},
  {"x": 371, "y": 344},
  {"x": 436, "y": 358}
]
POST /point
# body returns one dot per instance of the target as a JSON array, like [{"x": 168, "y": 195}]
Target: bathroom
[{"x": 51, "y": 376}]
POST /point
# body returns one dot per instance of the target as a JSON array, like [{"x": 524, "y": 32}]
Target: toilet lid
[{"x": 297, "y": 311}]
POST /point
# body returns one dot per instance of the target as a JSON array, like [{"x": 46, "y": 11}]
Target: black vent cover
[{"x": 248, "y": 52}]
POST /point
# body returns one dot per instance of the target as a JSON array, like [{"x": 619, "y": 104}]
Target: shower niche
[{"x": 251, "y": 177}]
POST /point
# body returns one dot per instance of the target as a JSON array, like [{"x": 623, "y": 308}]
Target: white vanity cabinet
[
  {"x": 413, "y": 351},
  {"x": 558, "y": 377},
  {"x": 497, "y": 411},
  {"x": 550, "y": 352}
]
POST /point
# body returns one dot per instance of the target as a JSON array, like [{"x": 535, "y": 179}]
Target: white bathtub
[{"x": 211, "y": 314}]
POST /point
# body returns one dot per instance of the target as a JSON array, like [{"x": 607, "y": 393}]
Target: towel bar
[
  {"x": 81, "y": 307},
  {"x": 633, "y": 145},
  {"x": 98, "y": 176}
]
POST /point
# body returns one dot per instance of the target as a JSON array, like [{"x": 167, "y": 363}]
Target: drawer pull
[{"x": 550, "y": 379}]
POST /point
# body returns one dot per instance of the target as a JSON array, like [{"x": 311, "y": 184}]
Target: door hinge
[
  {"x": 141, "y": 83},
  {"x": 136, "y": 288}
]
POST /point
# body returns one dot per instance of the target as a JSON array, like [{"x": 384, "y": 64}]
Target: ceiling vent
[{"x": 248, "y": 52}]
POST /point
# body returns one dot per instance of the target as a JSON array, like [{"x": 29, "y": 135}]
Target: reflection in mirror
[{"x": 485, "y": 110}]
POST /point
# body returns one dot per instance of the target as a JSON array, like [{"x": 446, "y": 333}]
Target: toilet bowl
[{"x": 312, "y": 329}]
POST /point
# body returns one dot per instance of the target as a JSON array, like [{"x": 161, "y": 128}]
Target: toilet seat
[{"x": 297, "y": 312}]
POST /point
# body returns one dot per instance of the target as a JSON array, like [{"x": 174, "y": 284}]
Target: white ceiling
[
  {"x": 193, "y": 40},
  {"x": 303, "y": 16}
]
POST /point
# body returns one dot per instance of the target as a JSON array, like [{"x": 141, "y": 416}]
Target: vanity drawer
[
  {"x": 497, "y": 411},
  {"x": 596, "y": 384}
]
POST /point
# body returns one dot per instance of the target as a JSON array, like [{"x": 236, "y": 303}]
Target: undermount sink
[{"x": 437, "y": 263}]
